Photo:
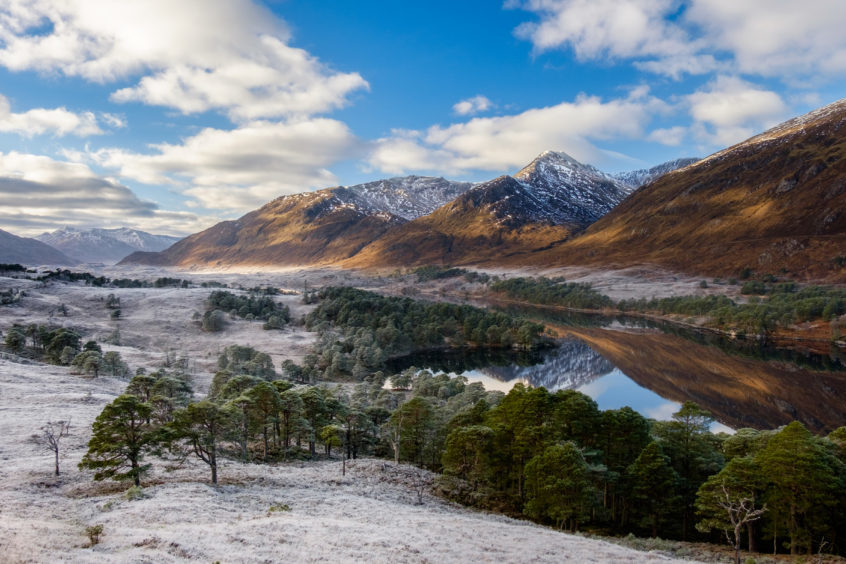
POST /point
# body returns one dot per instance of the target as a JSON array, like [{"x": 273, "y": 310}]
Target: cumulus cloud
[
  {"x": 671, "y": 136},
  {"x": 614, "y": 29},
  {"x": 192, "y": 55},
  {"x": 472, "y": 106},
  {"x": 780, "y": 38},
  {"x": 242, "y": 168},
  {"x": 506, "y": 142},
  {"x": 40, "y": 121},
  {"x": 775, "y": 37},
  {"x": 729, "y": 110},
  {"x": 38, "y": 193}
]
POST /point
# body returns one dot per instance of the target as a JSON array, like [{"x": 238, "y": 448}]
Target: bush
[
  {"x": 94, "y": 532},
  {"x": 134, "y": 493}
]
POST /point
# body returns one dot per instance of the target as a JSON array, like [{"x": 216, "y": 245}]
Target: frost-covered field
[
  {"x": 292, "y": 512},
  {"x": 370, "y": 515}
]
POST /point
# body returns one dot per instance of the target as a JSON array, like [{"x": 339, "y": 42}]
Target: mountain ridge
[
  {"x": 104, "y": 245},
  {"x": 774, "y": 203},
  {"x": 409, "y": 220}
]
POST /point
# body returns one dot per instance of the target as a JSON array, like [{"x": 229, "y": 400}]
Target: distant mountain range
[
  {"x": 410, "y": 220},
  {"x": 104, "y": 245},
  {"x": 23, "y": 250},
  {"x": 775, "y": 203}
]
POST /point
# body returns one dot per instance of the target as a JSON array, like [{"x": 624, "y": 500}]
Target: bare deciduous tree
[
  {"x": 51, "y": 435},
  {"x": 740, "y": 512}
]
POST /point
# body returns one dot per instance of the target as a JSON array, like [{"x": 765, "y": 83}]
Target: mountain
[
  {"x": 775, "y": 203},
  {"x": 104, "y": 245},
  {"x": 507, "y": 218},
  {"x": 23, "y": 250},
  {"x": 410, "y": 220},
  {"x": 637, "y": 178},
  {"x": 311, "y": 228},
  {"x": 497, "y": 218},
  {"x": 323, "y": 227},
  {"x": 568, "y": 191},
  {"x": 407, "y": 197}
]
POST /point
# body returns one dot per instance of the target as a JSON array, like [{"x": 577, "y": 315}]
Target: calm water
[{"x": 742, "y": 384}]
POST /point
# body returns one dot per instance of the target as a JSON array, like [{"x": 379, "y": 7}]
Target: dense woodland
[{"x": 359, "y": 330}]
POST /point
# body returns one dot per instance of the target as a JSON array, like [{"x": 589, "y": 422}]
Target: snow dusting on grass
[{"x": 299, "y": 511}]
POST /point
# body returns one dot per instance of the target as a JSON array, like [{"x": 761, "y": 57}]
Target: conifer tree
[
  {"x": 121, "y": 437},
  {"x": 653, "y": 487},
  {"x": 201, "y": 426},
  {"x": 558, "y": 486}
]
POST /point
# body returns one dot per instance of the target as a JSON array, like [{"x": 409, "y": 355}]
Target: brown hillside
[
  {"x": 493, "y": 220},
  {"x": 775, "y": 204},
  {"x": 311, "y": 228}
]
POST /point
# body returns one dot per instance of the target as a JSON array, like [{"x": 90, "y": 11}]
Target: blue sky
[{"x": 171, "y": 116}]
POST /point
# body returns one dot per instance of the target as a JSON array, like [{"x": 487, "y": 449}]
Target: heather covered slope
[
  {"x": 313, "y": 228},
  {"x": 775, "y": 203}
]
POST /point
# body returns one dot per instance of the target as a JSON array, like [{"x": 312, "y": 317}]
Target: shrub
[{"x": 94, "y": 532}]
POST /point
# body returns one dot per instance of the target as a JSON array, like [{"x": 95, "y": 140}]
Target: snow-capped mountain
[
  {"x": 407, "y": 197},
  {"x": 570, "y": 366},
  {"x": 636, "y": 178},
  {"x": 104, "y": 245},
  {"x": 570, "y": 191}
]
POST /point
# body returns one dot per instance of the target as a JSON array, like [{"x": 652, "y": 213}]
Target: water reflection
[{"x": 654, "y": 372}]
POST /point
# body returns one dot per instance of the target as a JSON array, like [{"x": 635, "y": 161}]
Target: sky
[{"x": 171, "y": 116}]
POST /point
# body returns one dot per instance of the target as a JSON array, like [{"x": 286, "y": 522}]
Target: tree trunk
[
  {"x": 213, "y": 464},
  {"x": 57, "y": 461},
  {"x": 752, "y": 541}
]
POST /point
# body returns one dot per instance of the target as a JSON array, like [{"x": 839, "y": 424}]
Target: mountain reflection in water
[{"x": 655, "y": 372}]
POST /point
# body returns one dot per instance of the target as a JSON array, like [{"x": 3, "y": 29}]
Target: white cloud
[
  {"x": 40, "y": 121},
  {"x": 783, "y": 38},
  {"x": 506, "y": 142},
  {"x": 730, "y": 110},
  {"x": 192, "y": 55},
  {"x": 614, "y": 29},
  {"x": 243, "y": 168},
  {"x": 472, "y": 106},
  {"x": 671, "y": 136},
  {"x": 38, "y": 194},
  {"x": 776, "y": 37}
]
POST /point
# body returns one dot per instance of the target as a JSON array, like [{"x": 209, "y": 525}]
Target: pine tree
[
  {"x": 201, "y": 426},
  {"x": 801, "y": 473},
  {"x": 558, "y": 486},
  {"x": 121, "y": 438},
  {"x": 653, "y": 487}
]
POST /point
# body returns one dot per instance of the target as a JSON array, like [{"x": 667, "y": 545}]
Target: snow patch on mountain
[
  {"x": 637, "y": 178},
  {"x": 105, "y": 245},
  {"x": 407, "y": 197}
]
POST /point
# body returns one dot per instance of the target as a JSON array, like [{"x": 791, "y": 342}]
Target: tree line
[
  {"x": 554, "y": 458},
  {"x": 769, "y": 305},
  {"x": 359, "y": 330}
]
